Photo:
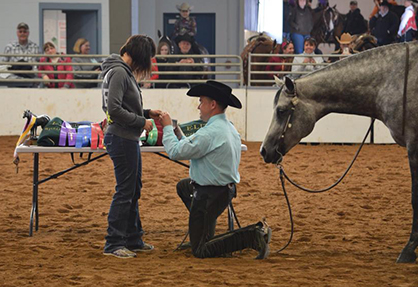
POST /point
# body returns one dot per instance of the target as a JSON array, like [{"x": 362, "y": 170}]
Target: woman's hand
[
  {"x": 148, "y": 125},
  {"x": 155, "y": 114}
]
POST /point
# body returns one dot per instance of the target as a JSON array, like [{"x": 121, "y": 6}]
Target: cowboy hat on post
[
  {"x": 345, "y": 39},
  {"x": 184, "y": 6},
  {"x": 217, "y": 91}
]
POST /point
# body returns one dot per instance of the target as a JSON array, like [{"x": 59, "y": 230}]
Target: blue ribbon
[{"x": 83, "y": 136}]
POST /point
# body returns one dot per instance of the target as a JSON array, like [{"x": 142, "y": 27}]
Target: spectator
[
  {"x": 82, "y": 47},
  {"x": 408, "y": 23},
  {"x": 285, "y": 48},
  {"x": 322, "y": 4},
  {"x": 185, "y": 24},
  {"x": 185, "y": 43},
  {"x": 22, "y": 46},
  {"x": 384, "y": 25},
  {"x": 377, "y": 5},
  {"x": 345, "y": 48},
  {"x": 354, "y": 23},
  {"x": 309, "y": 48},
  {"x": 288, "y": 5},
  {"x": 153, "y": 76},
  {"x": 301, "y": 24},
  {"x": 49, "y": 49},
  {"x": 163, "y": 49}
]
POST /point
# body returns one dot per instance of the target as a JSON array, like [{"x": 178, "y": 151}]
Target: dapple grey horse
[{"x": 380, "y": 83}]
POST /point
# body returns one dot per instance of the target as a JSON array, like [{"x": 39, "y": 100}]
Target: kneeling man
[{"x": 214, "y": 152}]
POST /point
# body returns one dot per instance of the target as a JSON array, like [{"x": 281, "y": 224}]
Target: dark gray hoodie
[{"x": 122, "y": 99}]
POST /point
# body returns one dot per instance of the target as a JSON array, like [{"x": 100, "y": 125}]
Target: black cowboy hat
[
  {"x": 385, "y": 3},
  {"x": 185, "y": 37},
  {"x": 217, "y": 91}
]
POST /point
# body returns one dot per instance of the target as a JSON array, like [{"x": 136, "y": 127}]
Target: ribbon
[
  {"x": 24, "y": 136},
  {"x": 153, "y": 134},
  {"x": 96, "y": 136},
  {"x": 67, "y": 129},
  {"x": 83, "y": 136}
]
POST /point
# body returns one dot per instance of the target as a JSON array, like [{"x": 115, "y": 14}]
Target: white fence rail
[{"x": 225, "y": 68}]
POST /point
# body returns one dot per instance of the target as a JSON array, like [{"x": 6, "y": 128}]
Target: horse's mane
[{"x": 384, "y": 51}]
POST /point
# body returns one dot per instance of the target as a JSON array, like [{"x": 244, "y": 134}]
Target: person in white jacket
[
  {"x": 408, "y": 23},
  {"x": 309, "y": 62}
]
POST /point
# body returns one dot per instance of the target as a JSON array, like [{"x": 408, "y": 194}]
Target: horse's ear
[
  {"x": 279, "y": 82},
  {"x": 289, "y": 84},
  {"x": 159, "y": 33},
  {"x": 335, "y": 6}
]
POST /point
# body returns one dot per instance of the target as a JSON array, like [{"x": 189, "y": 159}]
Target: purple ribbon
[{"x": 66, "y": 129}]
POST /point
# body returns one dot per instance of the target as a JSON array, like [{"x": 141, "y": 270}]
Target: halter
[
  {"x": 294, "y": 101},
  {"x": 288, "y": 125}
]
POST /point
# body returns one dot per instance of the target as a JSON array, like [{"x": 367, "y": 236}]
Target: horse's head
[
  {"x": 328, "y": 25},
  {"x": 293, "y": 119}
]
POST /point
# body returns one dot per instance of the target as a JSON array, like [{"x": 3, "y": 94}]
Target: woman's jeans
[
  {"x": 298, "y": 41},
  {"x": 124, "y": 229}
]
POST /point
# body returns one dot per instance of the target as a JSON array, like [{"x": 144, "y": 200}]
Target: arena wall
[{"x": 252, "y": 121}]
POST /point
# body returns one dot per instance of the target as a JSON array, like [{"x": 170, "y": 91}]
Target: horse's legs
[{"x": 408, "y": 253}]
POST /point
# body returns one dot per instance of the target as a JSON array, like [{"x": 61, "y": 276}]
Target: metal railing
[
  {"x": 211, "y": 68},
  {"x": 268, "y": 79}
]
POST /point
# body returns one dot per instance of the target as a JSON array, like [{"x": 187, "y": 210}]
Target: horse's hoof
[{"x": 406, "y": 257}]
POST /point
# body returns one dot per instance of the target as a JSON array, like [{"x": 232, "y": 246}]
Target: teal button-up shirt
[{"x": 214, "y": 151}]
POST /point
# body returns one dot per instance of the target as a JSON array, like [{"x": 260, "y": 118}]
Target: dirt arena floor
[{"x": 350, "y": 236}]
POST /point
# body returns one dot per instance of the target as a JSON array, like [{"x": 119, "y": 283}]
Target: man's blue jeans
[
  {"x": 298, "y": 41},
  {"x": 125, "y": 229}
]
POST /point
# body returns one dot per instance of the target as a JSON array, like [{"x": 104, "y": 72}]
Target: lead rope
[
  {"x": 284, "y": 176},
  {"x": 405, "y": 88}
]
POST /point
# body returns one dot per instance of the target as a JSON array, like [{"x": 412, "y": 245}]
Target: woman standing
[
  {"x": 408, "y": 24},
  {"x": 82, "y": 47},
  {"x": 52, "y": 57},
  {"x": 122, "y": 103},
  {"x": 301, "y": 24}
]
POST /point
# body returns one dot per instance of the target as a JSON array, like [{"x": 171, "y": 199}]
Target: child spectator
[
  {"x": 162, "y": 49},
  {"x": 185, "y": 24}
]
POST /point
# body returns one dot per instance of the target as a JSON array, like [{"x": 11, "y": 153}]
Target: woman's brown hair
[{"x": 141, "y": 49}]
